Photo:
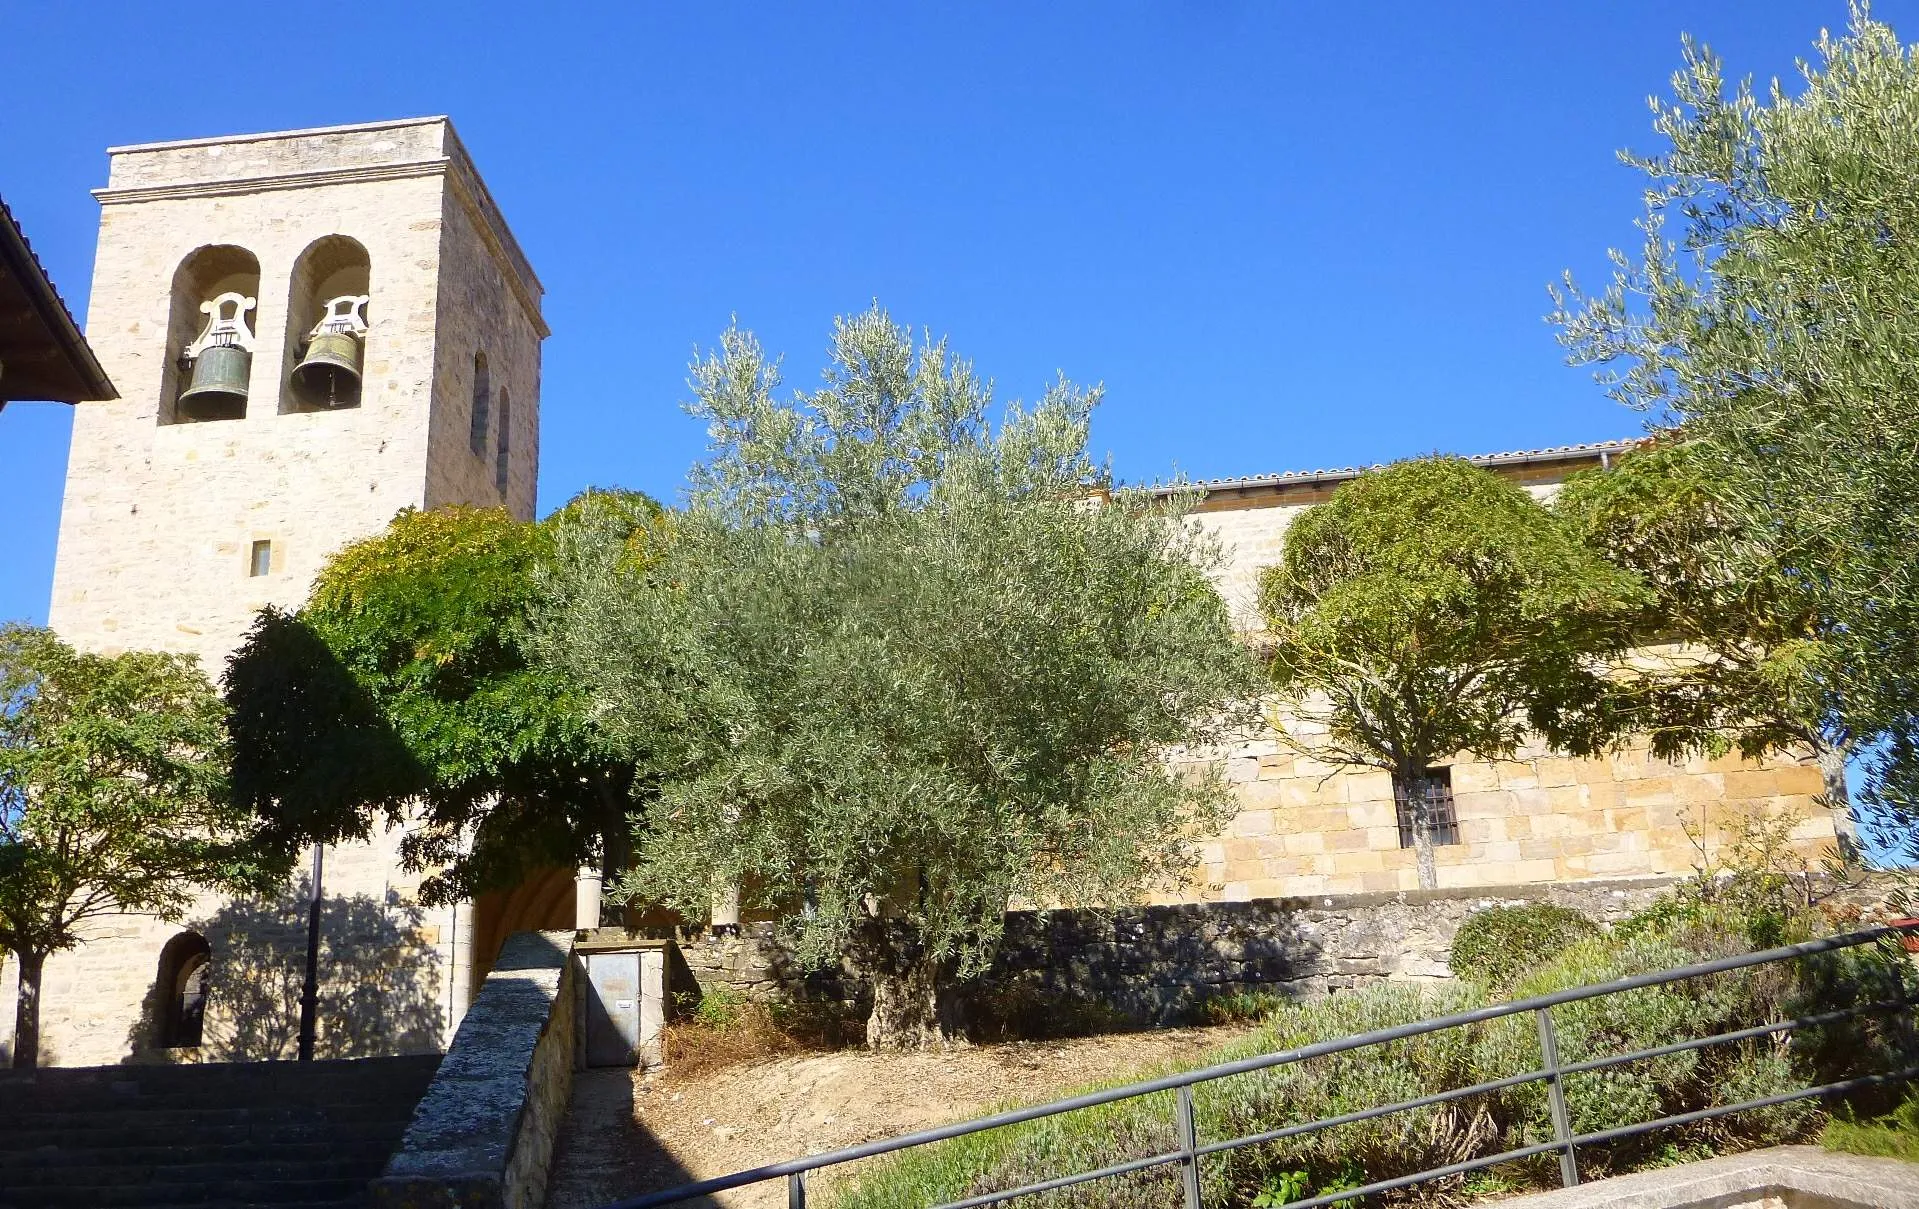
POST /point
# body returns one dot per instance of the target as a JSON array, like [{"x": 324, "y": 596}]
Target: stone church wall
[
  {"x": 1305, "y": 827},
  {"x": 386, "y": 966}
]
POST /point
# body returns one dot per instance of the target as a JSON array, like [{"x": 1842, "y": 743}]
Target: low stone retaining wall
[
  {"x": 482, "y": 1137},
  {"x": 1159, "y": 964}
]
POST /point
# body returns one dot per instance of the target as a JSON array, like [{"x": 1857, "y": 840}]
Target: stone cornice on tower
[{"x": 325, "y": 155}]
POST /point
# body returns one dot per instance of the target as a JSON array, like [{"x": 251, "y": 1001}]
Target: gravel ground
[{"x": 629, "y": 1133}]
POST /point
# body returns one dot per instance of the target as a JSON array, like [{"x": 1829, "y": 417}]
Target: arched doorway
[
  {"x": 185, "y": 964},
  {"x": 543, "y": 902}
]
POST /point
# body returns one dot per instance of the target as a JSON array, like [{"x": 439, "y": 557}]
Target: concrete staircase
[{"x": 216, "y": 1136}]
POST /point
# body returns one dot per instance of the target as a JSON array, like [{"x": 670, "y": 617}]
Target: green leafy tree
[
  {"x": 920, "y": 669},
  {"x": 112, "y": 799},
  {"x": 403, "y": 690},
  {"x": 1764, "y": 312},
  {"x": 1733, "y": 637},
  {"x": 1431, "y": 608}
]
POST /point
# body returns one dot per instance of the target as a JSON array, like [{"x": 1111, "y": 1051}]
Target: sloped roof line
[
  {"x": 16, "y": 253},
  {"x": 1515, "y": 457}
]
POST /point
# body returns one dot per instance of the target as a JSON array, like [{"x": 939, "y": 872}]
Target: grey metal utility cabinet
[{"x": 622, "y": 998}]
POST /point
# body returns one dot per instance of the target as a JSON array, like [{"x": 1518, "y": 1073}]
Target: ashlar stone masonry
[{"x": 167, "y": 517}]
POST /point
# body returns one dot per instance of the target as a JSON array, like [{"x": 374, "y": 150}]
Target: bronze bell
[
  {"x": 329, "y": 374},
  {"x": 219, "y": 384}
]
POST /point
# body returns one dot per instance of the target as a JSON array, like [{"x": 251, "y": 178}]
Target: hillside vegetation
[{"x": 1673, "y": 934}]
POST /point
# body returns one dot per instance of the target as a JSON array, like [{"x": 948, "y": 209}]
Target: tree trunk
[
  {"x": 616, "y": 847},
  {"x": 1412, "y": 784},
  {"x": 1832, "y": 766},
  {"x": 914, "y": 1007},
  {"x": 26, "y": 1021}
]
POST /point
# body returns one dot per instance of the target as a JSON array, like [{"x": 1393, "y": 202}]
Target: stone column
[
  {"x": 460, "y": 955},
  {"x": 726, "y": 910},
  {"x": 586, "y": 897}
]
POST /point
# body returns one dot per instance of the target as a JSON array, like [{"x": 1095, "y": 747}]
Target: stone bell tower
[{"x": 311, "y": 330}]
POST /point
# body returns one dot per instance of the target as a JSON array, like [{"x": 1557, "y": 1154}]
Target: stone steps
[
  {"x": 160, "y": 1164},
  {"x": 254, "y": 1194},
  {"x": 196, "y": 1131},
  {"x": 214, "y": 1136}
]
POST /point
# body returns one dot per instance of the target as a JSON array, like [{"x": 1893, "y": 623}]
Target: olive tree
[
  {"x": 1432, "y": 607},
  {"x": 1764, "y": 313},
  {"x": 921, "y": 666},
  {"x": 112, "y": 800}
]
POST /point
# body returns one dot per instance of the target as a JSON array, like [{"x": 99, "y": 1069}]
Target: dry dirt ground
[{"x": 629, "y": 1133}]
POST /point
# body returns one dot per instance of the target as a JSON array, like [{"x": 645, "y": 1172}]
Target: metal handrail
[{"x": 1190, "y": 1151}]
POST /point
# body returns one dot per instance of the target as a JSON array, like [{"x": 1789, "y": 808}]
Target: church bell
[
  {"x": 329, "y": 373},
  {"x": 222, "y": 358},
  {"x": 219, "y": 379}
]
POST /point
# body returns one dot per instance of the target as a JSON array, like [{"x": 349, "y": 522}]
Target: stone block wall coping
[
  {"x": 612, "y": 940},
  {"x": 479, "y": 1127},
  {"x": 1527, "y": 892},
  {"x": 1789, "y": 1175}
]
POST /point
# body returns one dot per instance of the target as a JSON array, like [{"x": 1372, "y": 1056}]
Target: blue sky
[{"x": 1283, "y": 235}]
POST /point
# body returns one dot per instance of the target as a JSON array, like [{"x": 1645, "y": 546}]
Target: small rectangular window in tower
[
  {"x": 262, "y": 558},
  {"x": 1427, "y": 799}
]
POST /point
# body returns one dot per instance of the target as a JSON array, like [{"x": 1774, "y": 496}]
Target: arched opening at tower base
[{"x": 544, "y": 902}]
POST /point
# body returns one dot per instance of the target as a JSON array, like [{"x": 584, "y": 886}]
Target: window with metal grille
[{"x": 1427, "y": 799}]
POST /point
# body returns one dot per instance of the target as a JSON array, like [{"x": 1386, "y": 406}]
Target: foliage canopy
[
  {"x": 405, "y": 683},
  {"x": 1432, "y": 607},
  {"x": 1761, "y": 315},
  {"x": 1736, "y": 658}
]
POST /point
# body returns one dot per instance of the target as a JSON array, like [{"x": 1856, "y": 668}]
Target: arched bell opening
[
  {"x": 185, "y": 964},
  {"x": 326, "y": 336},
  {"x": 208, "y": 365}
]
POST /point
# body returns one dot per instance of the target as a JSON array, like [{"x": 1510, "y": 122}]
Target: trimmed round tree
[{"x": 1431, "y": 608}]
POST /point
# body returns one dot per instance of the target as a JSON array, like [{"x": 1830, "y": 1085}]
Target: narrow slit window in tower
[
  {"x": 262, "y": 559},
  {"x": 482, "y": 396},
  {"x": 501, "y": 446}
]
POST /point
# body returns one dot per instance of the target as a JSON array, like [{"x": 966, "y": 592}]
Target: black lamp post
[{"x": 310, "y": 991}]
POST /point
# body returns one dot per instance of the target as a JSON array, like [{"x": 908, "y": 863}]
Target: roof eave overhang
[
  {"x": 78, "y": 377},
  {"x": 1564, "y": 455}
]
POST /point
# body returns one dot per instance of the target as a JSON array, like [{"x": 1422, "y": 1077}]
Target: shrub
[
  {"x": 1494, "y": 947},
  {"x": 1240, "y": 1007},
  {"x": 1406, "y": 1142},
  {"x": 1342, "y": 1083},
  {"x": 1637, "y": 1020},
  {"x": 1022, "y": 1009},
  {"x": 1262, "y": 1100},
  {"x": 1893, "y": 1136}
]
